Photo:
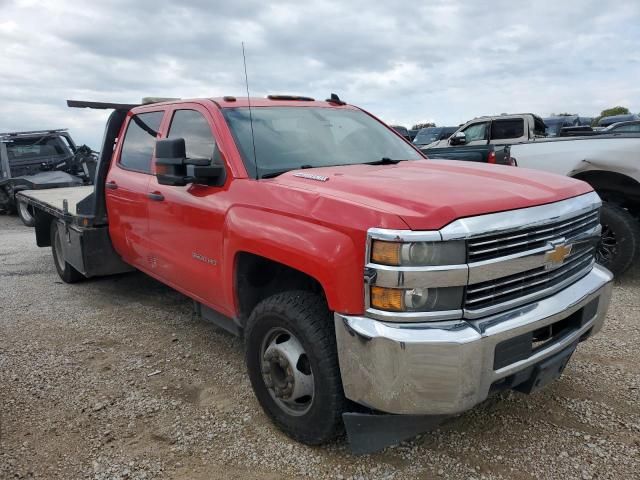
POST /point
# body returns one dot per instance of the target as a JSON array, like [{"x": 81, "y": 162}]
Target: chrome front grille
[
  {"x": 502, "y": 244},
  {"x": 513, "y": 258},
  {"x": 536, "y": 282}
]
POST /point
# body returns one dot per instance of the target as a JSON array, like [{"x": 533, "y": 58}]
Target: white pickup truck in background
[
  {"x": 495, "y": 130},
  {"x": 610, "y": 165}
]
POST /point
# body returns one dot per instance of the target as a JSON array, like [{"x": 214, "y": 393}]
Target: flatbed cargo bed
[{"x": 52, "y": 200}]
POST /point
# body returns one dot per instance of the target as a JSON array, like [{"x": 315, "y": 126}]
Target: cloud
[{"x": 445, "y": 61}]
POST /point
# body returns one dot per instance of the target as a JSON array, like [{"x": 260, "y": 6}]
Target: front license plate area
[{"x": 547, "y": 371}]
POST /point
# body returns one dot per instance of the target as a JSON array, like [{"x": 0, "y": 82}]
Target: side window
[
  {"x": 477, "y": 131},
  {"x": 194, "y": 128},
  {"x": 139, "y": 141},
  {"x": 505, "y": 129}
]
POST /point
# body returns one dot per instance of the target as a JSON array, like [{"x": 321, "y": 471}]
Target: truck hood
[{"x": 429, "y": 194}]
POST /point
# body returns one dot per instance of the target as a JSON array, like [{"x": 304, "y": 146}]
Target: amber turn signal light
[
  {"x": 385, "y": 253},
  {"x": 390, "y": 299}
]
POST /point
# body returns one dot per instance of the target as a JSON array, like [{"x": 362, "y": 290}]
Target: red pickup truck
[{"x": 365, "y": 279}]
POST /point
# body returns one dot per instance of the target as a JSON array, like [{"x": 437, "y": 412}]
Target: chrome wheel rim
[
  {"x": 608, "y": 246},
  {"x": 286, "y": 372}
]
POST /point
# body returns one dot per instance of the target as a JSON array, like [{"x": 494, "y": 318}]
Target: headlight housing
[
  {"x": 415, "y": 254},
  {"x": 417, "y": 278},
  {"x": 416, "y": 299}
]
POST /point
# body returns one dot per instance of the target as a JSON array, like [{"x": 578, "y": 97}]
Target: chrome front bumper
[{"x": 446, "y": 367}]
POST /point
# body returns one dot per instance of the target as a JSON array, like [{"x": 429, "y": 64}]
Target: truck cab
[{"x": 496, "y": 130}]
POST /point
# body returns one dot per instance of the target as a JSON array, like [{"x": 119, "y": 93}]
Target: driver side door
[{"x": 186, "y": 222}]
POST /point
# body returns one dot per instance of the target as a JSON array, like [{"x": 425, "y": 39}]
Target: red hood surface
[{"x": 429, "y": 194}]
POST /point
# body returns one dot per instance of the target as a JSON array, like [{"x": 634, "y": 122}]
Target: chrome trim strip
[
  {"x": 499, "y": 267},
  {"x": 506, "y": 290},
  {"x": 495, "y": 268},
  {"x": 503, "y": 282},
  {"x": 404, "y": 235},
  {"x": 495, "y": 223},
  {"x": 412, "y": 277},
  {"x": 413, "y": 316}
]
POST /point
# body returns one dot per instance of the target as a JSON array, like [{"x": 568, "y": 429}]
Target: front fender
[{"x": 334, "y": 258}]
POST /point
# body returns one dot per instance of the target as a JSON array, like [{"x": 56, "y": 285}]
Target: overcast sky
[{"x": 407, "y": 62}]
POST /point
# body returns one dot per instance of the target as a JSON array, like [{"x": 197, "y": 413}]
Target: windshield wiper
[{"x": 383, "y": 161}]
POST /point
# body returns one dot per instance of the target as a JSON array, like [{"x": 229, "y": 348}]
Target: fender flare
[{"x": 331, "y": 257}]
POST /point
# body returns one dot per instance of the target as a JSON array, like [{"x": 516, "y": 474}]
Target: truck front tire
[
  {"x": 620, "y": 239},
  {"x": 67, "y": 273},
  {"x": 292, "y": 362}
]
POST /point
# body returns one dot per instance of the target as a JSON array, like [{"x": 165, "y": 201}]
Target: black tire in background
[
  {"x": 26, "y": 214},
  {"x": 620, "y": 239},
  {"x": 305, "y": 317},
  {"x": 67, "y": 273}
]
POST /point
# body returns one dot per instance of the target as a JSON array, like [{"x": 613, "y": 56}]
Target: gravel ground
[{"x": 113, "y": 378}]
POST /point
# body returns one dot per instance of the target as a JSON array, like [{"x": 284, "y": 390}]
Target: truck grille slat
[
  {"x": 541, "y": 279},
  {"x": 536, "y": 282},
  {"x": 537, "y": 230},
  {"x": 494, "y": 246},
  {"x": 494, "y": 284}
]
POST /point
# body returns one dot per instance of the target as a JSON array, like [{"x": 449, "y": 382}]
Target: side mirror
[
  {"x": 458, "y": 138},
  {"x": 175, "y": 169}
]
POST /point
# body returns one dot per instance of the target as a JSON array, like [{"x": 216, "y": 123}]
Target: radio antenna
[{"x": 253, "y": 141}]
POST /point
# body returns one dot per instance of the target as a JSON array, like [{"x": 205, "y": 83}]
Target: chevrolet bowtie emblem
[{"x": 557, "y": 256}]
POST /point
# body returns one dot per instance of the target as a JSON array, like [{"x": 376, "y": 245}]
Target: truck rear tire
[
  {"x": 293, "y": 366},
  {"x": 67, "y": 273},
  {"x": 26, "y": 214},
  {"x": 620, "y": 239}
]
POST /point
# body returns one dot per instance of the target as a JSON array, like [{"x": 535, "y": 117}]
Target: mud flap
[{"x": 370, "y": 433}]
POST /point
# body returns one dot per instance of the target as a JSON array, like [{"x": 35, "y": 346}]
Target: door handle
[
  {"x": 111, "y": 185},
  {"x": 155, "y": 196}
]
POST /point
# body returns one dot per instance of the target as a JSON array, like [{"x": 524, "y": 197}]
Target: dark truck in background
[
  {"x": 428, "y": 135},
  {"x": 37, "y": 160},
  {"x": 496, "y": 154}
]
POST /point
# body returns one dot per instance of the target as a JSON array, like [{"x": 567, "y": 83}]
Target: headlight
[
  {"x": 416, "y": 299},
  {"x": 417, "y": 254}
]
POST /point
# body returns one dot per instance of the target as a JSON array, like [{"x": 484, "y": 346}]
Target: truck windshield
[
  {"x": 307, "y": 137},
  {"x": 427, "y": 135},
  {"x": 553, "y": 126}
]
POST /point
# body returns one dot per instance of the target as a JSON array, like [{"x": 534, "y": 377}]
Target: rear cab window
[{"x": 139, "y": 141}]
